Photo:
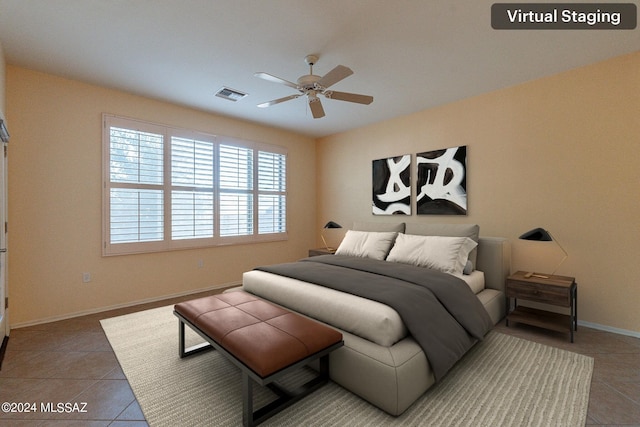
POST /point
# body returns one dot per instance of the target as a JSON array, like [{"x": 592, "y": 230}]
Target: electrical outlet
[
  {"x": 200, "y": 263},
  {"x": 86, "y": 277}
]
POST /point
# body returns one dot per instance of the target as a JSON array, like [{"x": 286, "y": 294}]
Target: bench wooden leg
[{"x": 184, "y": 352}]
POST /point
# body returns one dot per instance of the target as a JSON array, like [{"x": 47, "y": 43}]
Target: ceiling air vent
[{"x": 230, "y": 94}]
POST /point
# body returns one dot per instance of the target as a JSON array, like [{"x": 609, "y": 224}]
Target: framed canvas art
[
  {"x": 442, "y": 182},
  {"x": 392, "y": 186}
]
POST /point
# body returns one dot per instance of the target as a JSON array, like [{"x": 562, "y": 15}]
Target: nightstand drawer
[{"x": 549, "y": 294}]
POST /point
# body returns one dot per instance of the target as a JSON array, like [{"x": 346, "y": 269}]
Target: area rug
[{"x": 502, "y": 381}]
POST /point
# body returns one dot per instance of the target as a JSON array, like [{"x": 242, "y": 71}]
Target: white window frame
[{"x": 167, "y": 243}]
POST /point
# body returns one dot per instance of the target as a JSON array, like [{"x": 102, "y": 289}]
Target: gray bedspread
[{"x": 439, "y": 310}]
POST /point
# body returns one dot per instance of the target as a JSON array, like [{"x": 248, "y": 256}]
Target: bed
[{"x": 384, "y": 359}]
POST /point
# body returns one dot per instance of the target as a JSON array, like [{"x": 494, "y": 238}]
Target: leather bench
[{"x": 264, "y": 340}]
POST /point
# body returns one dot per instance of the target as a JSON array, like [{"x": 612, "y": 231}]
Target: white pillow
[
  {"x": 368, "y": 244},
  {"x": 447, "y": 254}
]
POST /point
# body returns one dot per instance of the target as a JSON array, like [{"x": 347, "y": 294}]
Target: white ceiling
[{"x": 409, "y": 55}]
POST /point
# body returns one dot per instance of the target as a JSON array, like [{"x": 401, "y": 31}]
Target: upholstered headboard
[
  {"x": 379, "y": 226},
  {"x": 493, "y": 255},
  {"x": 494, "y": 259}
]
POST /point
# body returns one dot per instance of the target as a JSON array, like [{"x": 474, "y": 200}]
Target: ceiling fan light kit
[{"x": 312, "y": 85}]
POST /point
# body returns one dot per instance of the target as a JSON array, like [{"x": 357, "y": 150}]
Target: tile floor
[{"x": 71, "y": 361}]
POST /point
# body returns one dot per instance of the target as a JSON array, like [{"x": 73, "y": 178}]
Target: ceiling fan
[{"x": 312, "y": 86}]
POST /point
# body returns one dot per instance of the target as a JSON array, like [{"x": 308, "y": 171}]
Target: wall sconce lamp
[
  {"x": 542, "y": 235},
  {"x": 330, "y": 224},
  {"x": 4, "y": 133}
]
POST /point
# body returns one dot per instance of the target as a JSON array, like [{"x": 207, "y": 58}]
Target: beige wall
[
  {"x": 561, "y": 153},
  {"x": 55, "y": 202}
]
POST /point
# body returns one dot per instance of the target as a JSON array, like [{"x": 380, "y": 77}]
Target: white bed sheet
[
  {"x": 475, "y": 280},
  {"x": 368, "y": 319}
]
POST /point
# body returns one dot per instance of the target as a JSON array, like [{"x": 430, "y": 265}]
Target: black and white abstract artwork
[
  {"x": 442, "y": 182},
  {"x": 392, "y": 186}
]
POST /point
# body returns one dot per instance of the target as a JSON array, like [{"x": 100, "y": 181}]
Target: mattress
[
  {"x": 475, "y": 280},
  {"x": 368, "y": 319}
]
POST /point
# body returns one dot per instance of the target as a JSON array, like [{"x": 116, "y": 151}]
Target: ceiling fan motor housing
[{"x": 308, "y": 81}]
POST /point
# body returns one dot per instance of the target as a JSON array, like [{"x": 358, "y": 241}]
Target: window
[{"x": 167, "y": 188}]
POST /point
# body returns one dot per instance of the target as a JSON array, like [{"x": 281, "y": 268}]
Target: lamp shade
[
  {"x": 537, "y": 234},
  {"x": 332, "y": 224}
]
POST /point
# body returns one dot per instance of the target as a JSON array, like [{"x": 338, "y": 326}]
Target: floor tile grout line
[{"x": 623, "y": 394}]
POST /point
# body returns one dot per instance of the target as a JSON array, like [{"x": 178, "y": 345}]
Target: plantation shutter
[
  {"x": 236, "y": 190},
  {"x": 192, "y": 188},
  {"x": 166, "y": 188},
  {"x": 272, "y": 185},
  {"x": 136, "y": 193}
]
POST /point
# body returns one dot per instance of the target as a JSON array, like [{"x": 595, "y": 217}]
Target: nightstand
[
  {"x": 321, "y": 251},
  {"x": 558, "y": 291}
]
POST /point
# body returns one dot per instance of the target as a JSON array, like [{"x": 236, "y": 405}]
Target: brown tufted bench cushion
[{"x": 264, "y": 340}]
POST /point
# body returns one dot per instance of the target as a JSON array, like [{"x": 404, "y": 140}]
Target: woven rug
[{"x": 502, "y": 381}]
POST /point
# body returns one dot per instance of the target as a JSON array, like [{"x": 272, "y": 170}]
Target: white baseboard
[
  {"x": 609, "y": 329},
  {"x": 118, "y": 306}
]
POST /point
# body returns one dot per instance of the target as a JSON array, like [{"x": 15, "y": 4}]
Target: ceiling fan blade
[
  {"x": 349, "y": 97},
  {"x": 316, "y": 107},
  {"x": 334, "y": 76},
  {"x": 278, "y": 101},
  {"x": 274, "y": 79}
]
